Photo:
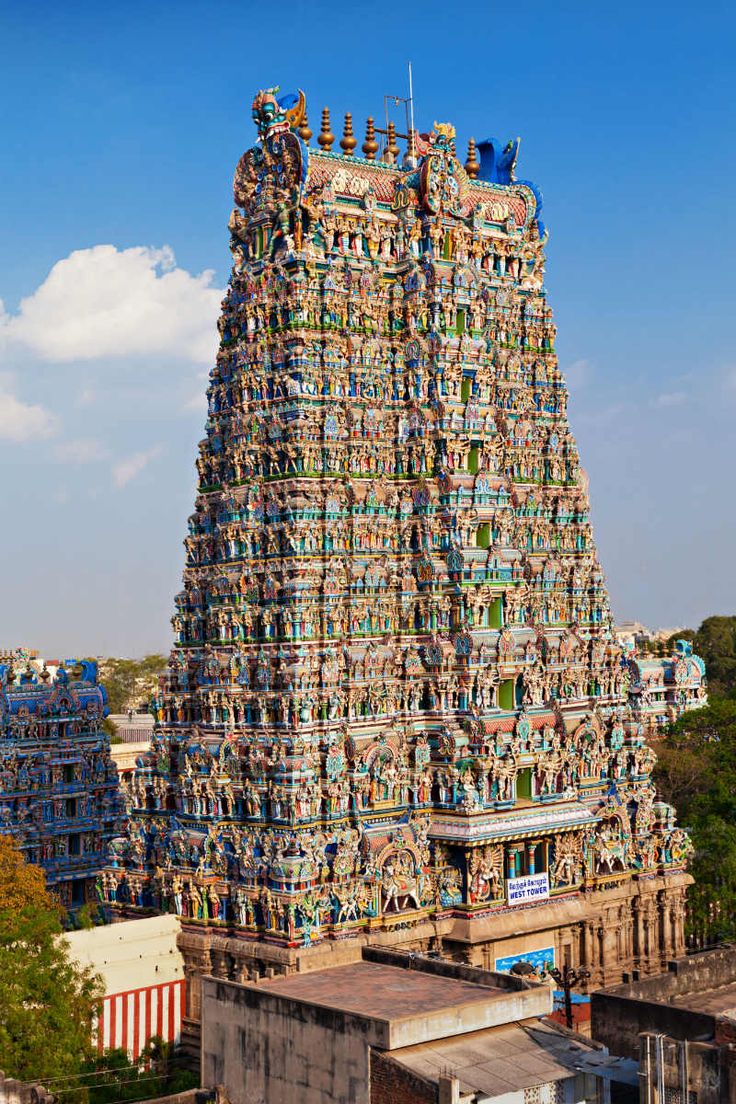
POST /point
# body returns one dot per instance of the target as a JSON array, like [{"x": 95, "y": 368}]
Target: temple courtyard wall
[{"x": 142, "y": 971}]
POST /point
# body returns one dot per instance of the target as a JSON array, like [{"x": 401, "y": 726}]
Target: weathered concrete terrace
[
  {"x": 314, "y": 1032},
  {"x": 383, "y": 993}
]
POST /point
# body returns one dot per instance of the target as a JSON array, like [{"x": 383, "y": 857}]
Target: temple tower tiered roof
[{"x": 395, "y": 706}]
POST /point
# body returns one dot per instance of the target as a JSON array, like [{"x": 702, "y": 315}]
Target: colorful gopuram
[
  {"x": 664, "y": 687},
  {"x": 395, "y": 710},
  {"x": 59, "y": 794}
]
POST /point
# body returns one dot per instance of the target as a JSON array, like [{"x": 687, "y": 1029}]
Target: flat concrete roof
[
  {"x": 381, "y": 992},
  {"x": 718, "y": 1001}
]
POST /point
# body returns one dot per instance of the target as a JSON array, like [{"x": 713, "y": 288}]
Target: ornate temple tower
[
  {"x": 395, "y": 710},
  {"x": 59, "y": 795}
]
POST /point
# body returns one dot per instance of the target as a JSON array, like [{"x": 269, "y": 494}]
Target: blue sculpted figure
[
  {"x": 89, "y": 670},
  {"x": 498, "y": 161},
  {"x": 498, "y": 166}
]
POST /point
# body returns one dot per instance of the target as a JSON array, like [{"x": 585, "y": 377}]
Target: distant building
[
  {"x": 143, "y": 974},
  {"x": 680, "y": 1026},
  {"x": 632, "y": 634},
  {"x": 397, "y": 1028},
  {"x": 59, "y": 793},
  {"x": 132, "y": 728}
]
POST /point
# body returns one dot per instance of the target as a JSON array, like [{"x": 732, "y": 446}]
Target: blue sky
[{"x": 120, "y": 129}]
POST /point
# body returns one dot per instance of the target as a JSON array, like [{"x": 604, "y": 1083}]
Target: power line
[{"x": 78, "y": 1076}]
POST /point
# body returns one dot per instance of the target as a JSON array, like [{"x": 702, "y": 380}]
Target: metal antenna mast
[
  {"x": 411, "y": 116},
  {"x": 397, "y": 101}
]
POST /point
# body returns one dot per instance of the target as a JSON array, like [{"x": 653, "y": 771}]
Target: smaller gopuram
[
  {"x": 59, "y": 794},
  {"x": 662, "y": 688}
]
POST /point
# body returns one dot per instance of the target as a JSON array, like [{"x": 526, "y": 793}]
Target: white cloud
[
  {"x": 84, "y": 450},
  {"x": 670, "y": 398},
  {"x": 86, "y": 397},
  {"x": 197, "y": 402},
  {"x": 21, "y": 421},
  {"x": 103, "y": 303},
  {"x": 577, "y": 373},
  {"x": 131, "y": 466}
]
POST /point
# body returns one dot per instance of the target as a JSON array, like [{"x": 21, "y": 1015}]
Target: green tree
[
  {"x": 130, "y": 682},
  {"x": 114, "y": 1078},
  {"x": 47, "y": 1002},
  {"x": 715, "y": 642},
  {"x": 697, "y": 773}
]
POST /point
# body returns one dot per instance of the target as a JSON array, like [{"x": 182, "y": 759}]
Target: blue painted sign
[{"x": 540, "y": 960}]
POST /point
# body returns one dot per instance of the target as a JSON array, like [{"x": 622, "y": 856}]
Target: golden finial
[
  {"x": 472, "y": 164},
  {"x": 392, "y": 149},
  {"x": 370, "y": 146},
  {"x": 326, "y": 137},
  {"x": 348, "y": 142},
  {"x": 303, "y": 131}
]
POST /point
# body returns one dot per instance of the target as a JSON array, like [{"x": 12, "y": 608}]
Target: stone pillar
[
  {"x": 219, "y": 964},
  {"x": 627, "y": 925},
  {"x": 637, "y": 940},
  {"x": 680, "y": 923},
  {"x": 448, "y": 1089},
  {"x": 588, "y": 945},
  {"x": 602, "y": 955},
  {"x": 663, "y": 918},
  {"x": 649, "y": 921}
]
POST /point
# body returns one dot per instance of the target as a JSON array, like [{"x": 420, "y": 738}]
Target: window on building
[
  {"x": 466, "y": 388},
  {"x": 473, "y": 458},
  {"x": 483, "y": 535},
  {"x": 524, "y": 784},
  {"x": 506, "y": 694},
  {"x": 75, "y": 847}
]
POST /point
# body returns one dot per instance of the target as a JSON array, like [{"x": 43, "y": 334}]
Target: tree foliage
[
  {"x": 715, "y": 642},
  {"x": 131, "y": 682},
  {"x": 114, "y": 1078},
  {"x": 697, "y": 773},
  {"x": 47, "y": 1002}
]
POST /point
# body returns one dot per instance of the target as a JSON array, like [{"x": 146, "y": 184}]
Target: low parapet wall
[
  {"x": 441, "y": 967},
  {"x": 619, "y": 1014}
]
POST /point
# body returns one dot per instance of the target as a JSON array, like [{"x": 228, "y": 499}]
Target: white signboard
[{"x": 533, "y": 887}]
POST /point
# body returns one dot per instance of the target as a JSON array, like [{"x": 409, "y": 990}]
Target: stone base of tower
[
  {"x": 208, "y": 950},
  {"x": 634, "y": 925}
]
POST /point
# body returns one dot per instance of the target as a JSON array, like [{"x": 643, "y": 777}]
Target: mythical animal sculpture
[
  {"x": 498, "y": 161},
  {"x": 272, "y": 115},
  {"x": 498, "y": 166}
]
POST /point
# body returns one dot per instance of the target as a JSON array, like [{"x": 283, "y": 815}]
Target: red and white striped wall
[{"x": 128, "y": 1020}]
